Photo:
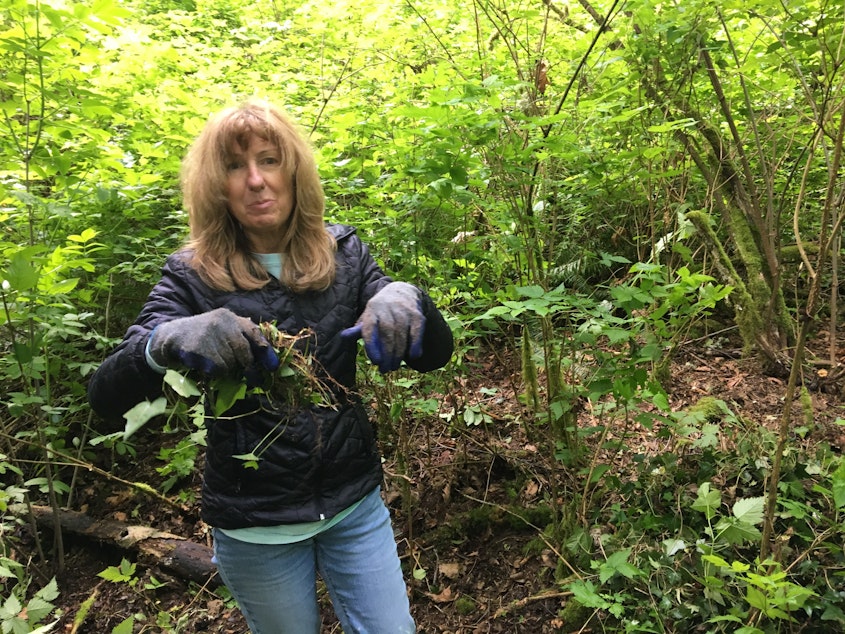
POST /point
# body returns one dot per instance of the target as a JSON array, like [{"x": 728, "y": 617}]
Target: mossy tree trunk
[
  {"x": 752, "y": 297},
  {"x": 741, "y": 230}
]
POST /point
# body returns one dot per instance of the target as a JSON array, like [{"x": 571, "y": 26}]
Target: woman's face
[{"x": 259, "y": 194}]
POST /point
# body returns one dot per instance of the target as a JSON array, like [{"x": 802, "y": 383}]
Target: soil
[{"x": 473, "y": 565}]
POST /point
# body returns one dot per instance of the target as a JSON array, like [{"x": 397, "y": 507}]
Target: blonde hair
[{"x": 221, "y": 251}]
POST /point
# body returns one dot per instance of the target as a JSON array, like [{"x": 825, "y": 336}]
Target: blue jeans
[{"x": 276, "y": 585}]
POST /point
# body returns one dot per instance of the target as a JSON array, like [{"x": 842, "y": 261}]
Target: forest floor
[{"x": 480, "y": 567}]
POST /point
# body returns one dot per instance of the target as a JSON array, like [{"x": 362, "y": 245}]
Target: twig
[
  {"x": 73, "y": 461},
  {"x": 521, "y": 603}
]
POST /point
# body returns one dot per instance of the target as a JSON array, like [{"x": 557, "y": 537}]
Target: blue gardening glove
[
  {"x": 215, "y": 343},
  {"x": 392, "y": 326}
]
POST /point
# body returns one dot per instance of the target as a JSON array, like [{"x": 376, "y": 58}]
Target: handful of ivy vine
[{"x": 295, "y": 383}]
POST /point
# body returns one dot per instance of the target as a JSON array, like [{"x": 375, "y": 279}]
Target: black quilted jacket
[{"x": 320, "y": 460}]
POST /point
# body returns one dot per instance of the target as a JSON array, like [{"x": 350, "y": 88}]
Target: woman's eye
[
  {"x": 234, "y": 165},
  {"x": 269, "y": 160}
]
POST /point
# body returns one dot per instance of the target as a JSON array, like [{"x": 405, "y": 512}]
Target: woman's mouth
[{"x": 261, "y": 205}]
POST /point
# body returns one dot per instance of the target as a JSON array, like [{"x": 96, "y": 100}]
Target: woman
[{"x": 260, "y": 251}]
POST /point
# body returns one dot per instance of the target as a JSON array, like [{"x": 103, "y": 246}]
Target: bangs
[{"x": 241, "y": 125}]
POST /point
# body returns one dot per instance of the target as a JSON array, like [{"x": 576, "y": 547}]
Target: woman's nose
[{"x": 254, "y": 177}]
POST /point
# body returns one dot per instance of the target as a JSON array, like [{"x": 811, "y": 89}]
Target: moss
[
  {"x": 529, "y": 373},
  {"x": 465, "y": 606},
  {"x": 574, "y": 615},
  {"x": 487, "y": 517},
  {"x": 712, "y": 409},
  {"x": 807, "y": 407}
]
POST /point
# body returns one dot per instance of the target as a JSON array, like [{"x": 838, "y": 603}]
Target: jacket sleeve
[
  {"x": 438, "y": 343},
  {"x": 124, "y": 379}
]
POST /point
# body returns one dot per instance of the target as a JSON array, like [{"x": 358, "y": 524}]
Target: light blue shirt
[
  {"x": 287, "y": 533},
  {"x": 272, "y": 262}
]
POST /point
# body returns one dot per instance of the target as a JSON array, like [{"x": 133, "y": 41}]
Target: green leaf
[
  {"x": 50, "y": 592},
  {"x": 661, "y": 401},
  {"x": 458, "y": 175},
  {"x": 181, "y": 384},
  {"x": 715, "y": 560},
  {"x": 673, "y": 546},
  {"x": 6, "y": 570},
  {"x": 708, "y": 501},
  {"x": 618, "y": 563},
  {"x": 85, "y": 236},
  {"x": 749, "y": 510},
  {"x": 838, "y": 478},
  {"x": 740, "y": 566},
  {"x": 250, "y": 460},
  {"x": 37, "y": 608},
  {"x": 756, "y": 599},
  {"x": 735, "y": 532},
  {"x": 539, "y": 306},
  {"x": 722, "y": 618},
  {"x": 117, "y": 574},
  {"x": 495, "y": 311},
  {"x": 112, "y": 574},
  {"x": 534, "y": 292},
  {"x": 617, "y": 335},
  {"x": 141, "y": 414},
  {"x": 11, "y": 607},
  {"x": 227, "y": 392},
  {"x": 62, "y": 287},
  {"x": 44, "y": 628},
  {"x": 670, "y": 126},
  {"x": 125, "y": 627},
  {"x": 21, "y": 274},
  {"x": 585, "y": 593}
]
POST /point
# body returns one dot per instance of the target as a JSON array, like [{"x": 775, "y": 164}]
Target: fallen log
[{"x": 186, "y": 559}]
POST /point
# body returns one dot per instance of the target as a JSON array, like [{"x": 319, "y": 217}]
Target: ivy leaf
[
  {"x": 181, "y": 384},
  {"x": 227, "y": 392},
  {"x": 250, "y": 460},
  {"x": 141, "y": 414}
]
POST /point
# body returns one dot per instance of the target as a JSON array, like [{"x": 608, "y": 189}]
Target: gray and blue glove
[
  {"x": 215, "y": 343},
  {"x": 391, "y": 325}
]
